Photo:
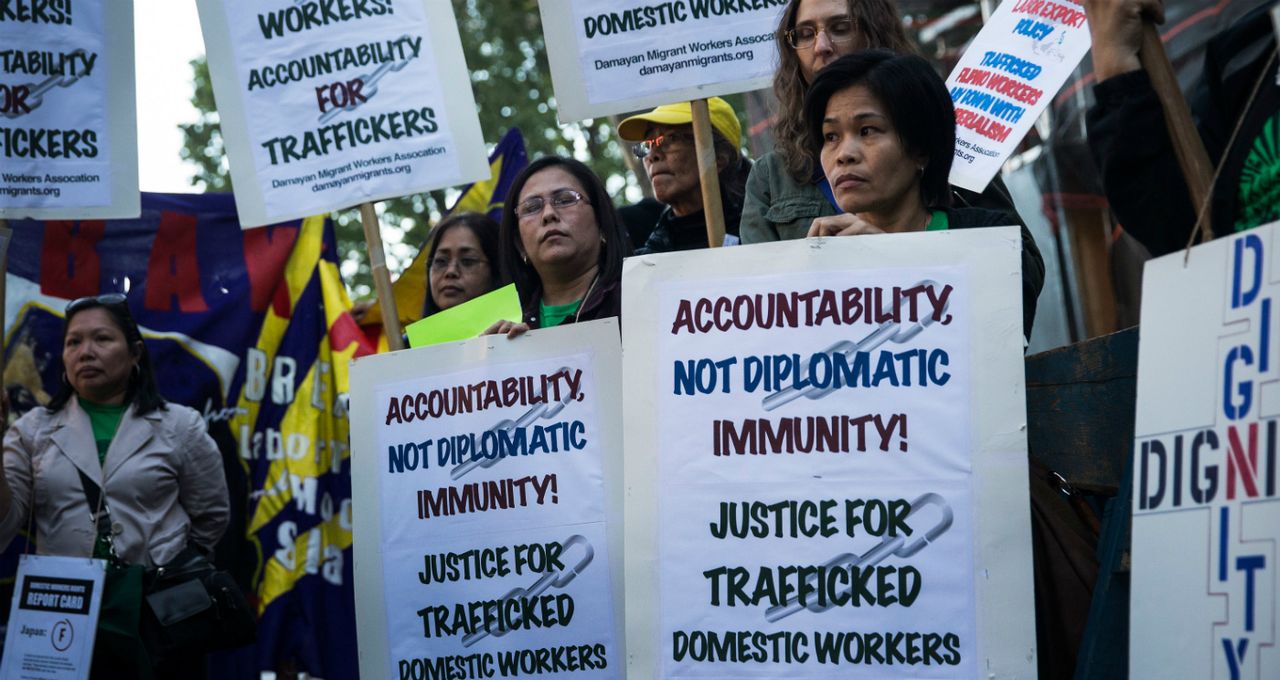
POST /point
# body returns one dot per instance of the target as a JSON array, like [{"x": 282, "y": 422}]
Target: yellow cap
[{"x": 723, "y": 119}]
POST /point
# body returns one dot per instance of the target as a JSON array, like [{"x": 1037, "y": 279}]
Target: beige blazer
[{"x": 163, "y": 478}]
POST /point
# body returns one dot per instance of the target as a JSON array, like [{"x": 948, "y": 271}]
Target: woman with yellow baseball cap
[{"x": 663, "y": 139}]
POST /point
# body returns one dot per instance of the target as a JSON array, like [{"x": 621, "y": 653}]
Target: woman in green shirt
[
  {"x": 562, "y": 244},
  {"x": 883, "y": 126}
]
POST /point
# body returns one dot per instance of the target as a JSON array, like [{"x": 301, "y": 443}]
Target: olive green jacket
[{"x": 776, "y": 208}]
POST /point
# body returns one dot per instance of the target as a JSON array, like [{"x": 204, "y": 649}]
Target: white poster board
[
  {"x": 327, "y": 105},
  {"x": 1206, "y": 516},
  {"x": 68, "y": 123},
  {"x": 614, "y": 56},
  {"x": 53, "y": 619},
  {"x": 776, "y": 487},
  {"x": 487, "y": 492},
  {"x": 1007, "y": 77}
]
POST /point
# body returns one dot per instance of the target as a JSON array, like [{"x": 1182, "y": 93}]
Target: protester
[
  {"x": 883, "y": 127},
  {"x": 462, "y": 262},
  {"x": 664, "y": 141},
  {"x": 785, "y": 191},
  {"x": 153, "y": 466},
  {"x": 562, "y": 243},
  {"x": 1239, "y": 100}
]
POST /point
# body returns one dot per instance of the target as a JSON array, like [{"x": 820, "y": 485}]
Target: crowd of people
[{"x": 864, "y": 140}]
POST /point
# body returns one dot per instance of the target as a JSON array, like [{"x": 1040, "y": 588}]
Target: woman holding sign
[
  {"x": 883, "y": 127},
  {"x": 562, "y": 243},
  {"x": 462, "y": 263},
  {"x": 786, "y": 190}
]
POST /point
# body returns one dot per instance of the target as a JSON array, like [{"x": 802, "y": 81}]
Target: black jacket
[
  {"x": 603, "y": 301},
  {"x": 1032, "y": 262},
  {"x": 1140, "y": 173}
]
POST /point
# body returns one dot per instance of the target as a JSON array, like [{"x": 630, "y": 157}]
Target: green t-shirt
[
  {"x": 105, "y": 420},
  {"x": 554, "y": 315},
  {"x": 939, "y": 222}
]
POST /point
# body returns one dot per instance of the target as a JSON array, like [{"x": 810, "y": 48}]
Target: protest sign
[
  {"x": 468, "y": 319},
  {"x": 487, "y": 484},
  {"x": 325, "y": 105},
  {"x": 68, "y": 131},
  {"x": 826, "y": 462},
  {"x": 1206, "y": 516},
  {"x": 1006, "y": 79},
  {"x": 612, "y": 56},
  {"x": 53, "y": 618}
]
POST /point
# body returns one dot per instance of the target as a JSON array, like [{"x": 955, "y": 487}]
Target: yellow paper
[{"x": 467, "y": 319}]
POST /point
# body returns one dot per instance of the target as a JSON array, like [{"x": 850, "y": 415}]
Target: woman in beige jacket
[{"x": 162, "y": 476}]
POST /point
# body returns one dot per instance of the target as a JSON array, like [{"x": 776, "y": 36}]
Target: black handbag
[{"x": 190, "y": 607}]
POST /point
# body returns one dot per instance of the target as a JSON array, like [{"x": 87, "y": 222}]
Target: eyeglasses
[
  {"x": 838, "y": 31},
  {"x": 441, "y": 264},
  {"x": 642, "y": 149},
  {"x": 560, "y": 200},
  {"x": 104, "y": 300}
]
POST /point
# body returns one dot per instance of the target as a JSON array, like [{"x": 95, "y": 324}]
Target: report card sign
[
  {"x": 838, "y": 444},
  {"x": 329, "y": 104},
  {"x": 611, "y": 56},
  {"x": 1206, "y": 515},
  {"x": 482, "y": 495}
]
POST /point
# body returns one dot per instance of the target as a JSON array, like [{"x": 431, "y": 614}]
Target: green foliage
[{"x": 512, "y": 83}]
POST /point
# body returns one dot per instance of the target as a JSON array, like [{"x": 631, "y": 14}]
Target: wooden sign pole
[
  {"x": 381, "y": 279},
  {"x": 6, "y": 235},
  {"x": 708, "y": 173},
  {"x": 1192, "y": 157}
]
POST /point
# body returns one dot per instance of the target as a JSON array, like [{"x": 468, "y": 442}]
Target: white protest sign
[
  {"x": 487, "y": 490},
  {"x": 68, "y": 124},
  {"x": 826, "y": 460},
  {"x": 328, "y": 104},
  {"x": 612, "y": 56},
  {"x": 53, "y": 619},
  {"x": 1006, "y": 79},
  {"x": 1206, "y": 515}
]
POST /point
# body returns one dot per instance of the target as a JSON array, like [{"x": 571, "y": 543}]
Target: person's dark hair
[
  {"x": 913, "y": 96},
  {"x": 142, "y": 391},
  {"x": 878, "y": 24},
  {"x": 616, "y": 246},
  {"x": 486, "y": 232},
  {"x": 733, "y": 178}
]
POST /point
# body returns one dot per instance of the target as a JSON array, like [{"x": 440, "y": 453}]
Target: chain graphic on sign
[
  {"x": 559, "y": 578},
  {"x": 889, "y": 331},
  {"x": 35, "y": 96},
  {"x": 538, "y": 411},
  {"x": 370, "y": 81},
  {"x": 891, "y": 545}
]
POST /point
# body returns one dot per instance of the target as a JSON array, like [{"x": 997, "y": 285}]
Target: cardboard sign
[
  {"x": 487, "y": 486},
  {"x": 822, "y": 458},
  {"x": 53, "y": 619},
  {"x": 68, "y": 131},
  {"x": 1206, "y": 515},
  {"x": 1006, "y": 79},
  {"x": 612, "y": 56},
  {"x": 328, "y": 105}
]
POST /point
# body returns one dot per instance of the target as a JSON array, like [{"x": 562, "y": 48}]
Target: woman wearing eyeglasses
[
  {"x": 664, "y": 141},
  {"x": 463, "y": 261},
  {"x": 562, "y": 243},
  {"x": 155, "y": 468},
  {"x": 786, "y": 190}
]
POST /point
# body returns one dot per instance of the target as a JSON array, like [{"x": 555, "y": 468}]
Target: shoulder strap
[{"x": 94, "y": 495}]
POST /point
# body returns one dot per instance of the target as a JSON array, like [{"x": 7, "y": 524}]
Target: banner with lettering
[
  {"x": 822, "y": 458},
  {"x": 612, "y": 56},
  {"x": 68, "y": 131},
  {"x": 1007, "y": 77},
  {"x": 250, "y": 328},
  {"x": 325, "y": 105},
  {"x": 1206, "y": 514},
  {"x": 488, "y": 492}
]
